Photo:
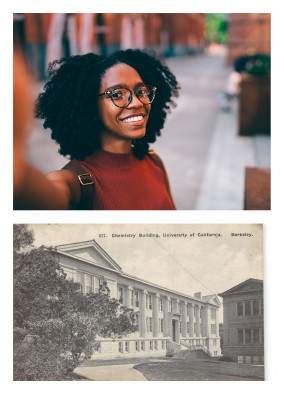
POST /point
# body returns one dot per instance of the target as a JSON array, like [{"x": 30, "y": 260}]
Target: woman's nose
[{"x": 135, "y": 102}]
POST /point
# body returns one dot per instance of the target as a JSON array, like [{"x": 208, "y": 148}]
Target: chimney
[{"x": 197, "y": 295}]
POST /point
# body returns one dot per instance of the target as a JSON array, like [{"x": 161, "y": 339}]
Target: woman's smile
[{"x": 135, "y": 119}]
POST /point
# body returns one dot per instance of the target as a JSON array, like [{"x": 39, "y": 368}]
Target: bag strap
[
  {"x": 159, "y": 163},
  {"x": 86, "y": 183}
]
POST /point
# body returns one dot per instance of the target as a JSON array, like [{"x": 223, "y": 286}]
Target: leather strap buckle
[{"x": 85, "y": 181}]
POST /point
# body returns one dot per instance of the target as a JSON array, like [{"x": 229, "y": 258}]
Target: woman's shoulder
[{"x": 156, "y": 159}]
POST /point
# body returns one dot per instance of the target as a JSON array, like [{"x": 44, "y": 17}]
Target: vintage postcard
[{"x": 137, "y": 302}]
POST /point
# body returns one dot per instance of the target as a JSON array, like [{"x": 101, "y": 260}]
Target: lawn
[{"x": 180, "y": 370}]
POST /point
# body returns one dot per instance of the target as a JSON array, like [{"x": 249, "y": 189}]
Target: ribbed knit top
[{"x": 123, "y": 182}]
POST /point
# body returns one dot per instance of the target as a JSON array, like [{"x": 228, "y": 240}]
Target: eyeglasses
[{"x": 122, "y": 97}]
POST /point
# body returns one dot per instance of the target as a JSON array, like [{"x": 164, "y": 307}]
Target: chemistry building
[{"x": 165, "y": 318}]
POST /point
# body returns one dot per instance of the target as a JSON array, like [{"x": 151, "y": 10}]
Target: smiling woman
[{"x": 104, "y": 112}]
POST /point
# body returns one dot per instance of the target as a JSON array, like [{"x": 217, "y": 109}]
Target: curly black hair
[{"x": 68, "y": 103}]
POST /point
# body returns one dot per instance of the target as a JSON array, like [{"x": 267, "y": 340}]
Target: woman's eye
[
  {"x": 118, "y": 94},
  {"x": 144, "y": 92}
]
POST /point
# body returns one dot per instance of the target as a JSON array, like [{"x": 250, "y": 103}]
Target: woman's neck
[{"x": 116, "y": 146}]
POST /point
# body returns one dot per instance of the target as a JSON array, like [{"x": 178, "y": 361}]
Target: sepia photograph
[{"x": 138, "y": 302}]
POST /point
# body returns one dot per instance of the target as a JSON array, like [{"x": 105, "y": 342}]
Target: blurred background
[{"x": 216, "y": 143}]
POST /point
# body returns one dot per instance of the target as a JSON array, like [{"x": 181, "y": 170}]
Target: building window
[
  {"x": 195, "y": 328},
  {"x": 187, "y": 309},
  {"x": 89, "y": 283},
  {"x": 255, "y": 335},
  {"x": 213, "y": 328},
  {"x": 247, "y": 335},
  {"x": 137, "y": 346},
  {"x": 240, "y": 359},
  {"x": 240, "y": 336},
  {"x": 256, "y": 359},
  {"x": 247, "y": 308},
  {"x": 187, "y": 327},
  {"x": 161, "y": 325},
  {"x": 149, "y": 324},
  {"x": 136, "y": 319},
  {"x": 195, "y": 311},
  {"x": 151, "y": 344},
  {"x": 120, "y": 347},
  {"x": 156, "y": 345},
  {"x": 240, "y": 309},
  {"x": 80, "y": 280},
  {"x": 215, "y": 353},
  {"x": 161, "y": 304},
  {"x": 213, "y": 313},
  {"x": 149, "y": 301},
  {"x": 127, "y": 347},
  {"x": 179, "y": 308},
  {"x": 132, "y": 298},
  {"x": 98, "y": 284},
  {"x": 142, "y": 346},
  {"x": 120, "y": 295},
  {"x": 171, "y": 306},
  {"x": 136, "y": 299},
  {"x": 255, "y": 307},
  {"x": 214, "y": 342}
]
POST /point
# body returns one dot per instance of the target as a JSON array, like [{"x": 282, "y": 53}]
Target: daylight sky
[{"x": 186, "y": 264}]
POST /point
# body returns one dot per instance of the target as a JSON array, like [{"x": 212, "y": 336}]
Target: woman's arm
[{"x": 58, "y": 190}]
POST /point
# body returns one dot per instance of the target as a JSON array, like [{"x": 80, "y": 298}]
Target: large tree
[{"x": 55, "y": 326}]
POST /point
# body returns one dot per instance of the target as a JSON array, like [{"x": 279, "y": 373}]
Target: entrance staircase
[{"x": 185, "y": 351}]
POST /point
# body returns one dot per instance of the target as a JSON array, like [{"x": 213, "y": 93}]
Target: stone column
[
  {"x": 198, "y": 321},
  {"x": 217, "y": 322},
  {"x": 183, "y": 319},
  {"x": 142, "y": 313},
  {"x": 191, "y": 319},
  {"x": 155, "y": 301},
  {"x": 167, "y": 322}
]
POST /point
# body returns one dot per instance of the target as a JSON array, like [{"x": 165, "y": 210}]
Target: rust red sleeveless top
[{"x": 122, "y": 182}]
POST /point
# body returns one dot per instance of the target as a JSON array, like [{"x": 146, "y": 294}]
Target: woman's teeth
[{"x": 132, "y": 119}]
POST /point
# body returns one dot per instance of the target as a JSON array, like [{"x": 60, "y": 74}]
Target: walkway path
[{"x": 124, "y": 372}]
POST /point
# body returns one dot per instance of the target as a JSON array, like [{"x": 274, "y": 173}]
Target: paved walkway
[{"x": 124, "y": 372}]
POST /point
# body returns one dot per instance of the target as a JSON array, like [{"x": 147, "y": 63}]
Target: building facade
[
  {"x": 163, "y": 315},
  {"x": 243, "y": 325},
  {"x": 248, "y": 34}
]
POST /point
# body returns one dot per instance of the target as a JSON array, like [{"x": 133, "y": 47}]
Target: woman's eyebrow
[{"x": 124, "y": 85}]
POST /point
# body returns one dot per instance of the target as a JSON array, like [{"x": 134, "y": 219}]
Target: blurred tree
[
  {"x": 216, "y": 28},
  {"x": 55, "y": 325}
]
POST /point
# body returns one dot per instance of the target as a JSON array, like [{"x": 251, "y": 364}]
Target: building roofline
[
  {"x": 120, "y": 271},
  {"x": 228, "y": 292},
  {"x": 97, "y": 246}
]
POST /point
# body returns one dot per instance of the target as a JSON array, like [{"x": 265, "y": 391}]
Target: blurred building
[
  {"x": 243, "y": 328},
  {"x": 248, "y": 34},
  {"x": 46, "y": 37}
]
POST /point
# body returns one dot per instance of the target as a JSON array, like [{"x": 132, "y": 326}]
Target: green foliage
[
  {"x": 22, "y": 237},
  {"x": 55, "y": 325},
  {"x": 216, "y": 28},
  {"x": 258, "y": 65}
]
